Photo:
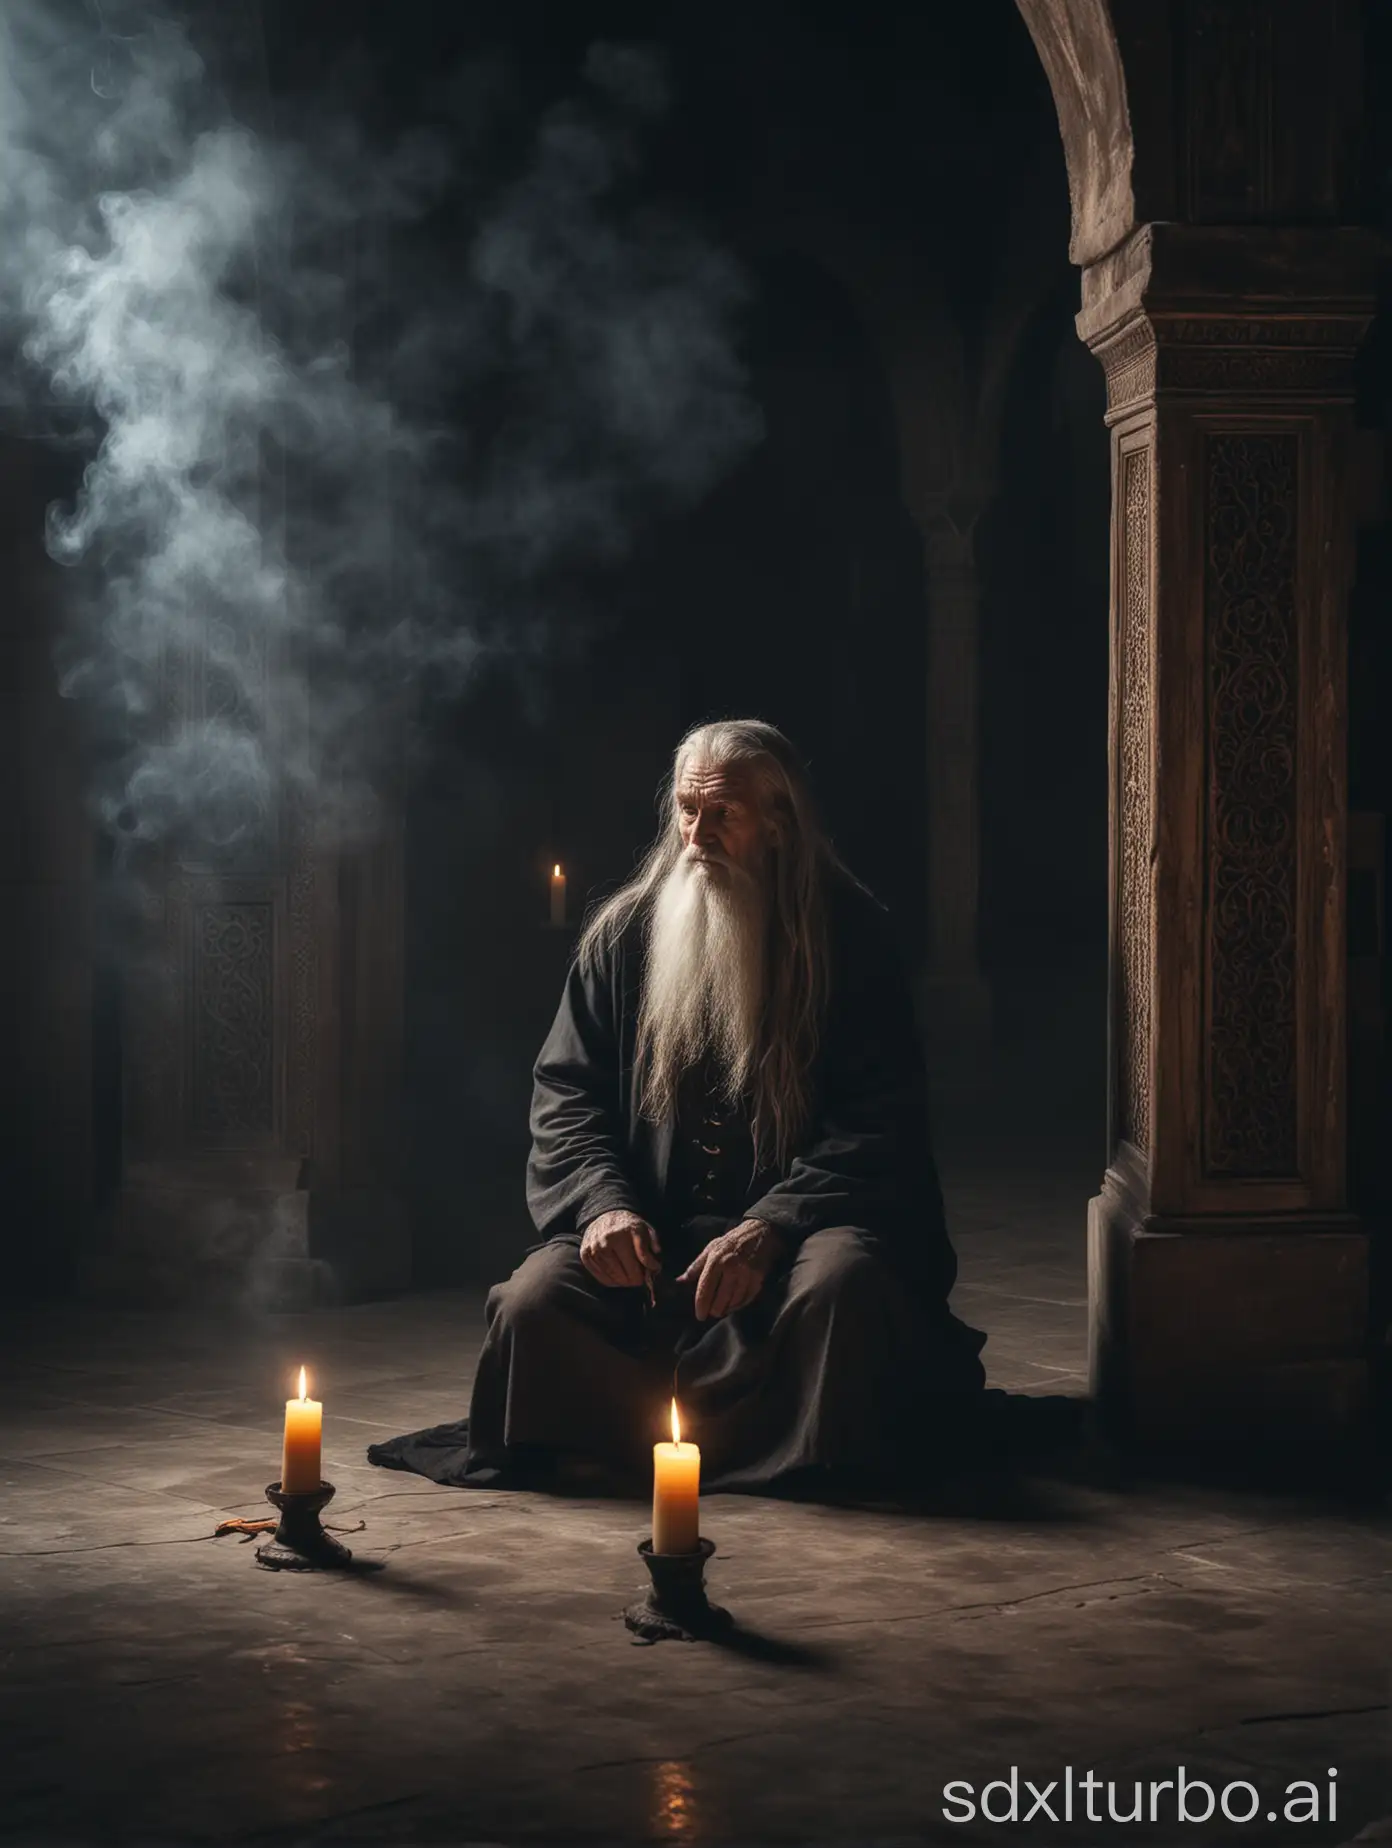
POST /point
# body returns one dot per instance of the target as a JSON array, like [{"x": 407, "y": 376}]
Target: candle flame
[
  {"x": 556, "y": 870},
  {"x": 303, "y": 1384},
  {"x": 676, "y": 1424}
]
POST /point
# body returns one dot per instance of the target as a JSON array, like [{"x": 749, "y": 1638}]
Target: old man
[{"x": 730, "y": 1170}]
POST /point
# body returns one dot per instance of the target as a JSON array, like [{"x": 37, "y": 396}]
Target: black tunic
[{"x": 712, "y": 1147}]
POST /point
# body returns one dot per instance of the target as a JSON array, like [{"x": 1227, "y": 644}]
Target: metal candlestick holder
[
  {"x": 676, "y": 1607},
  {"x": 299, "y": 1543}
]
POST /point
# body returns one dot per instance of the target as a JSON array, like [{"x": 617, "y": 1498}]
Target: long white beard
[{"x": 704, "y": 980}]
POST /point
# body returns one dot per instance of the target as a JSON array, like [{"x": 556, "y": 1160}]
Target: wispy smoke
[{"x": 353, "y": 407}]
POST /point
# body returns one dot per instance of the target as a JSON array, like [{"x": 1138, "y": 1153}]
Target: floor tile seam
[
  {"x": 105, "y": 1546},
  {"x": 87, "y": 1475},
  {"x": 170, "y": 1419},
  {"x": 1280, "y": 1583},
  {"x": 1000, "y": 1605}
]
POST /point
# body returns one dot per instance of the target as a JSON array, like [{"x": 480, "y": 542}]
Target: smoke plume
[{"x": 350, "y": 406}]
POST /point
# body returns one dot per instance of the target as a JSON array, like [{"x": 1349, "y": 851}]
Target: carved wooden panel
[
  {"x": 1250, "y": 564},
  {"x": 222, "y": 1014},
  {"x": 1135, "y": 924},
  {"x": 233, "y": 1025}
]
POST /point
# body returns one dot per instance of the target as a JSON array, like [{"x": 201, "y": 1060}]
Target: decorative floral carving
[
  {"x": 1129, "y": 365},
  {"x": 1251, "y": 508},
  {"x": 1221, "y": 353},
  {"x": 1269, "y": 369},
  {"x": 233, "y": 1036},
  {"x": 1134, "y": 808},
  {"x": 1339, "y": 331}
]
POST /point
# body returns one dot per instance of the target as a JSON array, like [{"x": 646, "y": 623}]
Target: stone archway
[
  {"x": 1226, "y": 298},
  {"x": 1078, "y": 48}
]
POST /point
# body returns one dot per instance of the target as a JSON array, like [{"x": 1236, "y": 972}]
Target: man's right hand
[{"x": 620, "y": 1249}]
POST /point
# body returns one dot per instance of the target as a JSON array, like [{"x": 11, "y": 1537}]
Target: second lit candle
[
  {"x": 301, "y": 1462},
  {"x": 676, "y": 1494}
]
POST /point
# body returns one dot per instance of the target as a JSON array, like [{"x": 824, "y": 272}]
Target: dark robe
[{"x": 849, "y": 1345}]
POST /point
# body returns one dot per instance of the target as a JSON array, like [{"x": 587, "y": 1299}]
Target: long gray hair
[{"x": 801, "y": 858}]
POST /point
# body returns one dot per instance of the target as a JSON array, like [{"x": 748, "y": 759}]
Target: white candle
[
  {"x": 676, "y": 1494},
  {"x": 300, "y": 1460},
  {"x": 558, "y": 895}
]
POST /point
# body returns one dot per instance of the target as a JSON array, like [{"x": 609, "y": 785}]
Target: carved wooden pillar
[
  {"x": 262, "y": 1031},
  {"x": 262, "y": 1058},
  {"x": 1229, "y": 1280}
]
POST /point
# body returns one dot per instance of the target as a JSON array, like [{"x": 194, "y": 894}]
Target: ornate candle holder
[
  {"x": 676, "y": 1608},
  {"x": 299, "y": 1543}
]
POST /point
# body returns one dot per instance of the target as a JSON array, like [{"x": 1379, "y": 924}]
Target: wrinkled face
[{"x": 720, "y": 816}]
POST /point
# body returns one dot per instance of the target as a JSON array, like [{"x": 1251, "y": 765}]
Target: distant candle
[
  {"x": 558, "y": 895},
  {"x": 301, "y": 1462},
  {"x": 676, "y": 1494}
]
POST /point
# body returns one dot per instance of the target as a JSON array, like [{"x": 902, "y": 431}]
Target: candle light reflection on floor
[
  {"x": 675, "y": 1812},
  {"x": 297, "y": 1735}
]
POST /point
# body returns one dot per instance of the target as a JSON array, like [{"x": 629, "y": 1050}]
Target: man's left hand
[{"x": 730, "y": 1272}]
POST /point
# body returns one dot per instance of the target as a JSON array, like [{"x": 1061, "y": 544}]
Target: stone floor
[{"x": 159, "y": 1687}]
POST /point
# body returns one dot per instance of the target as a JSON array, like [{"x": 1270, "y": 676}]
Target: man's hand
[
  {"x": 620, "y": 1249},
  {"x": 730, "y": 1272}
]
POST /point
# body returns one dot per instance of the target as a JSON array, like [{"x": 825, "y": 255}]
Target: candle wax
[
  {"x": 676, "y": 1498},
  {"x": 301, "y": 1462}
]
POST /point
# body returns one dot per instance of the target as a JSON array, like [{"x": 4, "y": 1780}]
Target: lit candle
[
  {"x": 676, "y": 1494},
  {"x": 558, "y": 895},
  {"x": 300, "y": 1461}
]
